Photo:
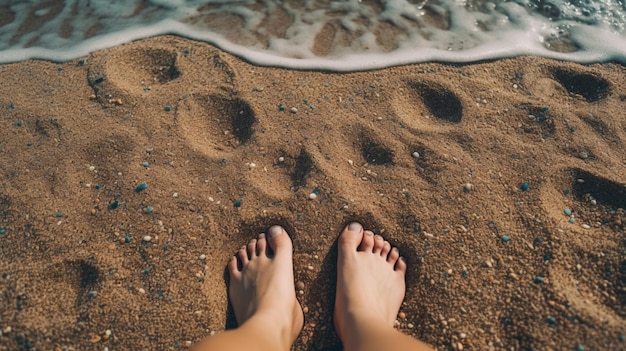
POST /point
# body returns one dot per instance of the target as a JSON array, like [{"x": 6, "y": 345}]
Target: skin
[{"x": 370, "y": 289}]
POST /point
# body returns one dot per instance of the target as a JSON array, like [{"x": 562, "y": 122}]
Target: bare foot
[
  {"x": 262, "y": 283},
  {"x": 370, "y": 280}
]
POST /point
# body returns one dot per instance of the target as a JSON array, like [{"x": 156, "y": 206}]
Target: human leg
[
  {"x": 370, "y": 289},
  {"x": 263, "y": 296}
]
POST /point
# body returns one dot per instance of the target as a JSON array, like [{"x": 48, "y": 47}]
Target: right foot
[
  {"x": 370, "y": 280},
  {"x": 262, "y": 284}
]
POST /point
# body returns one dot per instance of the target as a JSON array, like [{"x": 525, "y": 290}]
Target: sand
[{"x": 227, "y": 149}]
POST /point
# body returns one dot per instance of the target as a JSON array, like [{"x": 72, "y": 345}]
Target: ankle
[{"x": 357, "y": 327}]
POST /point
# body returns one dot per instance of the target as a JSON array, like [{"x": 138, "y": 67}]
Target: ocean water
[{"x": 339, "y": 35}]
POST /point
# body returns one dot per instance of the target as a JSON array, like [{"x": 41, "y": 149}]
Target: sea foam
[{"x": 340, "y": 35}]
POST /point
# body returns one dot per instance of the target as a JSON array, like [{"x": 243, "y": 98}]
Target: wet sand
[{"x": 468, "y": 169}]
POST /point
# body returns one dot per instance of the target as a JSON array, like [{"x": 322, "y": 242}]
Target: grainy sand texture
[{"x": 471, "y": 170}]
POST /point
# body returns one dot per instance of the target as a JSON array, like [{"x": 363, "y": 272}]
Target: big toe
[
  {"x": 278, "y": 240},
  {"x": 351, "y": 236}
]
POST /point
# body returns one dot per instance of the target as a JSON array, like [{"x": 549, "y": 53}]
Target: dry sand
[{"x": 75, "y": 137}]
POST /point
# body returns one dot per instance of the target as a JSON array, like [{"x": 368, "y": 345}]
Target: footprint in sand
[
  {"x": 428, "y": 106},
  {"x": 215, "y": 125},
  {"x": 133, "y": 74},
  {"x": 597, "y": 235}
]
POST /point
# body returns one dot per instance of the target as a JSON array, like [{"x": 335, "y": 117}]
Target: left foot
[{"x": 262, "y": 283}]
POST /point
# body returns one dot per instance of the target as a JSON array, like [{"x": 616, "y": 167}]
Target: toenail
[
  {"x": 262, "y": 236},
  {"x": 274, "y": 231},
  {"x": 355, "y": 227},
  {"x": 368, "y": 233}
]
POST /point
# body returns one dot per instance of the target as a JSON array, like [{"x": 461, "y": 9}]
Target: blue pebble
[
  {"x": 113, "y": 205},
  {"x": 146, "y": 89},
  {"x": 19, "y": 123},
  {"x": 580, "y": 347},
  {"x": 539, "y": 279},
  {"x": 145, "y": 164},
  {"x": 306, "y": 101},
  {"x": 146, "y": 272},
  {"x": 572, "y": 220},
  {"x": 98, "y": 80},
  {"x": 316, "y": 191},
  {"x": 58, "y": 215},
  {"x": 3, "y": 230},
  {"x": 621, "y": 338},
  {"x": 149, "y": 210},
  {"x": 166, "y": 248},
  {"x": 546, "y": 257},
  {"x": 12, "y": 105},
  {"x": 60, "y": 69},
  {"x": 160, "y": 293},
  {"x": 168, "y": 108},
  {"x": 524, "y": 186},
  {"x": 281, "y": 108},
  {"x": 567, "y": 211},
  {"x": 141, "y": 187},
  {"x": 98, "y": 186},
  {"x": 505, "y": 238},
  {"x": 464, "y": 274},
  {"x": 312, "y": 107},
  {"x": 551, "y": 320},
  {"x": 91, "y": 293},
  {"x": 127, "y": 239},
  {"x": 237, "y": 204},
  {"x": 81, "y": 62}
]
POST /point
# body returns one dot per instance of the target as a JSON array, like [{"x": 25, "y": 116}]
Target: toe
[
  {"x": 393, "y": 256},
  {"x": 252, "y": 249},
  {"x": 278, "y": 240},
  {"x": 243, "y": 256},
  {"x": 400, "y": 265},
  {"x": 261, "y": 245},
  {"x": 351, "y": 236},
  {"x": 233, "y": 268},
  {"x": 386, "y": 248},
  {"x": 367, "y": 243},
  {"x": 379, "y": 242}
]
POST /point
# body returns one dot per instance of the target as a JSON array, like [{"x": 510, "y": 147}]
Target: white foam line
[{"x": 594, "y": 41}]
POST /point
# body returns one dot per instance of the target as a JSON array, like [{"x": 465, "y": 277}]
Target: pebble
[
  {"x": 572, "y": 220},
  {"x": 141, "y": 187},
  {"x": 505, "y": 238},
  {"x": 416, "y": 154},
  {"x": 402, "y": 315},
  {"x": 580, "y": 347},
  {"x": 167, "y": 108},
  {"x": 300, "y": 285},
  {"x": 281, "y": 159},
  {"x": 202, "y": 257},
  {"x": 145, "y": 164},
  {"x": 524, "y": 186},
  {"x": 149, "y": 210},
  {"x": 551, "y": 320},
  {"x": 586, "y": 226},
  {"x": 468, "y": 187},
  {"x": 312, "y": 196},
  {"x": 95, "y": 338},
  {"x": 141, "y": 290},
  {"x": 567, "y": 211},
  {"x": 583, "y": 155},
  {"x": 294, "y": 110},
  {"x": 462, "y": 335},
  {"x": 147, "y": 238},
  {"x": 410, "y": 325},
  {"x": 3, "y": 230},
  {"x": 113, "y": 205},
  {"x": 539, "y": 279}
]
